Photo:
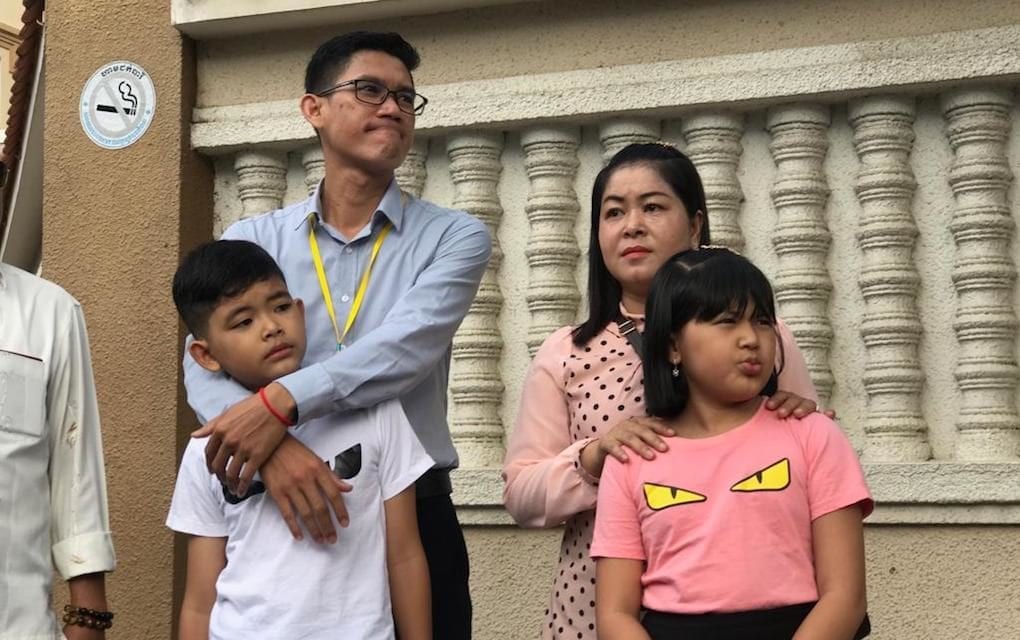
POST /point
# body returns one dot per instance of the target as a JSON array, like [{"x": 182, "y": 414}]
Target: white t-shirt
[{"x": 275, "y": 587}]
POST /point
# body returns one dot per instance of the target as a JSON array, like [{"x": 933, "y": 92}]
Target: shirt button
[
  {"x": 348, "y": 250},
  {"x": 345, "y": 298}
]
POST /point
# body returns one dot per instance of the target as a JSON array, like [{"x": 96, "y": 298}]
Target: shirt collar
[
  {"x": 391, "y": 206},
  {"x": 637, "y": 318}
]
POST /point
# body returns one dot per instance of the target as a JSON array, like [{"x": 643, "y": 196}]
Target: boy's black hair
[
  {"x": 699, "y": 284},
  {"x": 215, "y": 271},
  {"x": 679, "y": 173},
  {"x": 333, "y": 56}
]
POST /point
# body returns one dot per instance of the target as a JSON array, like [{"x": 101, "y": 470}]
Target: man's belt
[{"x": 435, "y": 482}]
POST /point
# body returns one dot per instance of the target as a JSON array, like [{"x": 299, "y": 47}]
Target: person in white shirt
[
  {"x": 53, "y": 510},
  {"x": 247, "y": 577}
]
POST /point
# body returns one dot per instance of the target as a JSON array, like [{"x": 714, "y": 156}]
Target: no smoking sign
[{"x": 117, "y": 104}]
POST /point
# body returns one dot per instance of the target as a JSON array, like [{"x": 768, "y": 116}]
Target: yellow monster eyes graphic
[
  {"x": 660, "y": 496},
  {"x": 774, "y": 477}
]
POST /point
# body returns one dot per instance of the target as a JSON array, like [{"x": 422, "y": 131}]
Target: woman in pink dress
[{"x": 585, "y": 384}]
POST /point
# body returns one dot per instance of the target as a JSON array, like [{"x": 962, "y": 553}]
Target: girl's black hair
[
  {"x": 679, "y": 173},
  {"x": 697, "y": 285}
]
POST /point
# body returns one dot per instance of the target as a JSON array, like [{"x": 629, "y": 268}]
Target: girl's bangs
[{"x": 728, "y": 283}]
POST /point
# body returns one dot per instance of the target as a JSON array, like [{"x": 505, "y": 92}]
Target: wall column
[
  {"x": 713, "y": 145},
  {"x": 984, "y": 273},
  {"x": 116, "y": 223},
  {"x": 475, "y": 384},
  {"x": 801, "y": 239},
  {"x": 891, "y": 330},
  {"x": 550, "y": 158}
]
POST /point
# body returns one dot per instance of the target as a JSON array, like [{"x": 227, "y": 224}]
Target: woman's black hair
[
  {"x": 697, "y": 285},
  {"x": 679, "y": 173}
]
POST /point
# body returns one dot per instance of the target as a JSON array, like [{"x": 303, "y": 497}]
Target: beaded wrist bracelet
[{"x": 90, "y": 618}]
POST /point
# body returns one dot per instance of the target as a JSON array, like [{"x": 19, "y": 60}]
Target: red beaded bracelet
[{"x": 269, "y": 407}]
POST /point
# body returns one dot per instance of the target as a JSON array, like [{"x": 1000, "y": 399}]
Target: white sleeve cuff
[{"x": 85, "y": 553}]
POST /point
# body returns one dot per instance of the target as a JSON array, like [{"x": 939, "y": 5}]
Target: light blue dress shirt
[{"x": 421, "y": 287}]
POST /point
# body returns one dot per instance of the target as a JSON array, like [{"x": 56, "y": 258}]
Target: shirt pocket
[{"x": 22, "y": 395}]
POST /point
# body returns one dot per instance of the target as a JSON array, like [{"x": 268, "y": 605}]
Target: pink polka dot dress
[{"x": 572, "y": 395}]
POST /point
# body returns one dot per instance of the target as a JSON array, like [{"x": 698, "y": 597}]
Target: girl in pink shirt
[
  {"x": 586, "y": 383},
  {"x": 749, "y": 526}
]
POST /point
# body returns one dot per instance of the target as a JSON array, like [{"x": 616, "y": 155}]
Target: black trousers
[
  {"x": 447, "y": 556},
  {"x": 766, "y": 624}
]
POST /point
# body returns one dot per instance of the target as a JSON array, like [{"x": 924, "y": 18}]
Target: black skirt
[{"x": 764, "y": 624}]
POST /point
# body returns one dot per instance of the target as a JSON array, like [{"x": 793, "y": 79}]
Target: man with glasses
[{"x": 386, "y": 279}]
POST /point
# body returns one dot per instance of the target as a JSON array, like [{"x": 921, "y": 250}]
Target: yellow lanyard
[{"x": 352, "y": 315}]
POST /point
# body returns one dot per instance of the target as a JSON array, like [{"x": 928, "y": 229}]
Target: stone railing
[{"x": 869, "y": 184}]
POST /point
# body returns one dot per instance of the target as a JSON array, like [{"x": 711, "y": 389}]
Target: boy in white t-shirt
[{"x": 247, "y": 576}]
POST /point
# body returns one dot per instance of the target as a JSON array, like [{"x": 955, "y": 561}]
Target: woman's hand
[
  {"x": 787, "y": 404},
  {"x": 643, "y": 436}
]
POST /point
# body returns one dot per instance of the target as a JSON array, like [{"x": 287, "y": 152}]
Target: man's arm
[
  {"x": 206, "y": 559},
  {"x": 88, "y": 591},
  {"x": 408, "y": 569},
  {"x": 383, "y": 364},
  {"x": 396, "y": 356},
  {"x": 317, "y": 494},
  {"x": 80, "y": 529}
]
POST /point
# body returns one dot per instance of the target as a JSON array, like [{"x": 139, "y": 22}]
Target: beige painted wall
[
  {"x": 10, "y": 14},
  {"x": 115, "y": 223},
  {"x": 924, "y": 583},
  {"x": 10, "y": 24},
  {"x": 573, "y": 34},
  {"x": 6, "y": 82}
]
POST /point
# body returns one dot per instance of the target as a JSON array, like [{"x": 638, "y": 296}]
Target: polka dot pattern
[{"x": 604, "y": 384}]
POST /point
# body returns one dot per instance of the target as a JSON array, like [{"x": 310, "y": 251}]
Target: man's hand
[
  {"x": 244, "y": 436},
  {"x": 304, "y": 486},
  {"x": 641, "y": 435}
]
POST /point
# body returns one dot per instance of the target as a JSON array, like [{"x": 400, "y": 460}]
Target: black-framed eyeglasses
[{"x": 371, "y": 92}]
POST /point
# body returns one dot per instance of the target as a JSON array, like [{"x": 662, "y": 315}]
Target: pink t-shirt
[{"x": 724, "y": 523}]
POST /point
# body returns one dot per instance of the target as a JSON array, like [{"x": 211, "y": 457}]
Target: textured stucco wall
[
  {"x": 578, "y": 34},
  {"x": 113, "y": 231},
  {"x": 924, "y": 583}
]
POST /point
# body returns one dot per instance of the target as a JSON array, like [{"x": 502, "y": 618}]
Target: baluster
[
  {"x": 984, "y": 274},
  {"x": 412, "y": 173},
  {"x": 475, "y": 383},
  {"x": 617, "y": 134},
  {"x": 801, "y": 239},
  {"x": 261, "y": 180},
  {"x": 315, "y": 167},
  {"x": 550, "y": 159},
  {"x": 713, "y": 145},
  {"x": 894, "y": 425}
]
